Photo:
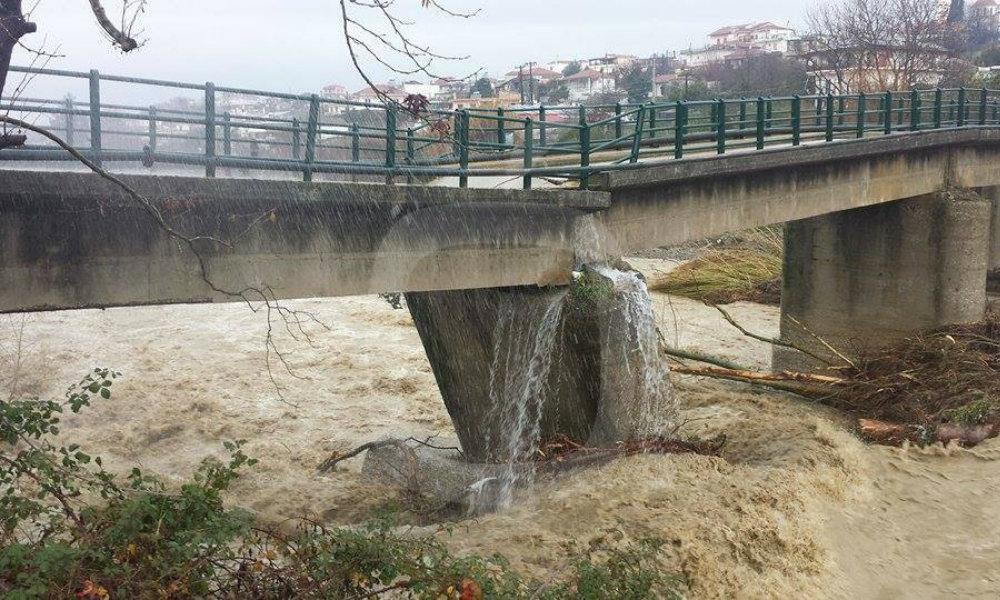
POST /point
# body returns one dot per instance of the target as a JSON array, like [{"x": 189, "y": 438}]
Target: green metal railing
[{"x": 309, "y": 134}]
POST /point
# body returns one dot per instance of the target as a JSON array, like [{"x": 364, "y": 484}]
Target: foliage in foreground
[
  {"x": 749, "y": 270},
  {"x": 71, "y": 529}
]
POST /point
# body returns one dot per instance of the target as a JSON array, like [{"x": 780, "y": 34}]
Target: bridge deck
[{"x": 71, "y": 240}]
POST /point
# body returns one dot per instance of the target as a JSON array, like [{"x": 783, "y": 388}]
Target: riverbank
[{"x": 796, "y": 506}]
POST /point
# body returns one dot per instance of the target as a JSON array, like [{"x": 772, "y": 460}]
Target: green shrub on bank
[{"x": 71, "y": 529}]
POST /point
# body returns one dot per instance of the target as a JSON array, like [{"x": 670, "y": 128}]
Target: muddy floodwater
[{"x": 796, "y": 508}]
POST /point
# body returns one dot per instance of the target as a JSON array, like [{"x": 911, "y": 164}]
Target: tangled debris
[
  {"x": 940, "y": 386},
  {"x": 945, "y": 383}
]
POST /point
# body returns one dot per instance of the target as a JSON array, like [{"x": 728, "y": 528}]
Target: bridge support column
[
  {"x": 504, "y": 357},
  {"x": 459, "y": 333},
  {"x": 867, "y": 276},
  {"x": 993, "y": 194}
]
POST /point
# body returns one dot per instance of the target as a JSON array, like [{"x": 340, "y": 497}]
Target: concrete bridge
[
  {"x": 886, "y": 234},
  {"x": 73, "y": 240}
]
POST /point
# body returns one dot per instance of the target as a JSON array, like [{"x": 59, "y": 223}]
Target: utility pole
[
  {"x": 520, "y": 81},
  {"x": 652, "y": 94},
  {"x": 531, "y": 82}
]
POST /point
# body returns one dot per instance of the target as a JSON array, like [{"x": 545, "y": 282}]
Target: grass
[{"x": 749, "y": 270}]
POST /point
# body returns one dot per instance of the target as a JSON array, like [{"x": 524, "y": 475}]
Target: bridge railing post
[
  {"x": 584, "y": 156},
  {"x": 901, "y": 113},
  {"x": 227, "y": 134},
  {"x": 960, "y": 121},
  {"x": 829, "y": 117},
  {"x": 501, "y": 131},
  {"x": 209, "y": 129},
  {"x": 982, "y": 106},
  {"x": 410, "y": 155},
  {"x": 312, "y": 132},
  {"x": 761, "y": 122},
  {"x": 915, "y": 110},
  {"x": 680, "y": 128},
  {"x": 796, "y": 120},
  {"x": 296, "y": 139},
  {"x": 95, "y": 116},
  {"x": 720, "y": 127},
  {"x": 542, "y": 129},
  {"x": 355, "y": 143},
  {"x": 618, "y": 120},
  {"x": 887, "y": 113},
  {"x": 390, "y": 143},
  {"x": 652, "y": 120},
  {"x": 640, "y": 124},
  {"x": 841, "y": 109},
  {"x": 70, "y": 125},
  {"x": 463, "y": 147},
  {"x": 152, "y": 129},
  {"x": 743, "y": 118},
  {"x": 529, "y": 142},
  {"x": 938, "y": 101},
  {"x": 862, "y": 107}
]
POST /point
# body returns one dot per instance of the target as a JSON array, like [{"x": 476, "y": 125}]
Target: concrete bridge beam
[{"x": 864, "y": 277}]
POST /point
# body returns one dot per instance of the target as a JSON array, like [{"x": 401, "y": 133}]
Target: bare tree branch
[{"x": 119, "y": 36}]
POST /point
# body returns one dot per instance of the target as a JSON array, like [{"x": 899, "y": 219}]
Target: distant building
[
  {"x": 765, "y": 35},
  {"x": 499, "y": 101},
  {"x": 334, "y": 91},
  {"x": 539, "y": 73},
  {"x": 588, "y": 82},
  {"x": 427, "y": 90},
  {"x": 557, "y": 65},
  {"x": 609, "y": 64},
  {"x": 663, "y": 84},
  {"x": 705, "y": 56},
  {"x": 984, "y": 9},
  {"x": 453, "y": 88},
  {"x": 369, "y": 94}
]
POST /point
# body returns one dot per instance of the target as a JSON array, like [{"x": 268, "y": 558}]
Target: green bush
[{"x": 71, "y": 529}]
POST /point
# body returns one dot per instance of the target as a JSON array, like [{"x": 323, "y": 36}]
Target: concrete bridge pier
[
  {"x": 505, "y": 358},
  {"x": 993, "y": 194},
  {"x": 459, "y": 330},
  {"x": 867, "y": 276}
]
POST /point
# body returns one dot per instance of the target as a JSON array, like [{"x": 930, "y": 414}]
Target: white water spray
[{"x": 524, "y": 349}]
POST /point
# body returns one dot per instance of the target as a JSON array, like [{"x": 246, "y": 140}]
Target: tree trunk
[{"x": 12, "y": 28}]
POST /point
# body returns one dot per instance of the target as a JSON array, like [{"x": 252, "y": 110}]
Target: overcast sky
[{"x": 297, "y": 45}]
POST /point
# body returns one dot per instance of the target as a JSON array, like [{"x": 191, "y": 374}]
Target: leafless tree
[{"x": 869, "y": 45}]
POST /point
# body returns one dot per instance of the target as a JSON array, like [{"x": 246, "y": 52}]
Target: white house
[
  {"x": 764, "y": 35},
  {"x": 557, "y": 65},
  {"x": 705, "y": 56},
  {"x": 985, "y": 9},
  {"x": 588, "y": 82},
  {"x": 427, "y": 90},
  {"x": 609, "y": 64}
]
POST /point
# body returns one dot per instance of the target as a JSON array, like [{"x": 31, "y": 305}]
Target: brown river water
[{"x": 796, "y": 508}]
